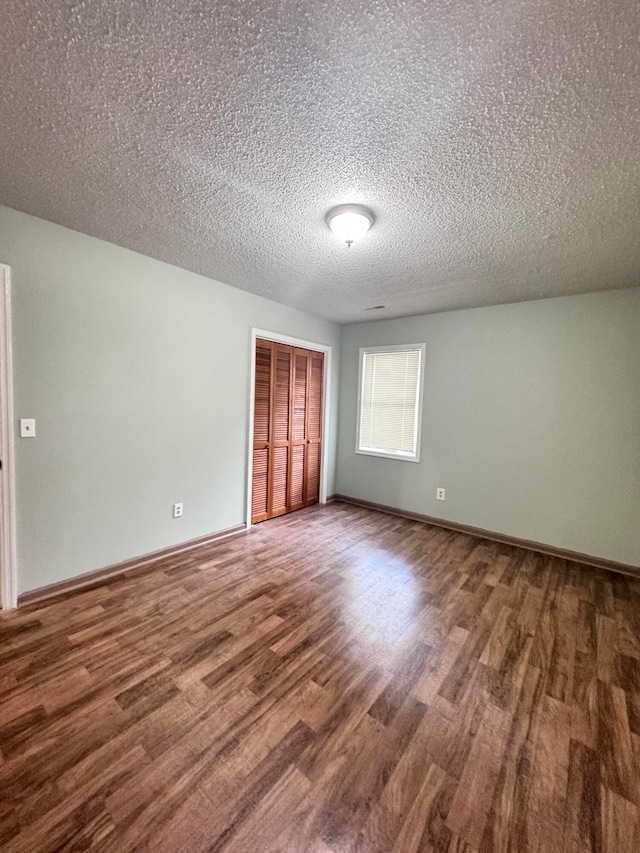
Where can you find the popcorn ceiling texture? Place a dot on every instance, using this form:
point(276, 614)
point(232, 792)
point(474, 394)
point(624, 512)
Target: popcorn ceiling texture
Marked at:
point(497, 142)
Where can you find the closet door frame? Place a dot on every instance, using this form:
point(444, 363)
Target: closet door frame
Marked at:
point(275, 337)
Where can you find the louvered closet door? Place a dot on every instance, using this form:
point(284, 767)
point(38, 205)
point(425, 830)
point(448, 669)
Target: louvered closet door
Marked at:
point(281, 403)
point(299, 430)
point(314, 427)
point(287, 434)
point(261, 484)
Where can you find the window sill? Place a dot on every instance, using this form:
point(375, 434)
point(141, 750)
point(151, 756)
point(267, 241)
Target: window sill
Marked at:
point(382, 455)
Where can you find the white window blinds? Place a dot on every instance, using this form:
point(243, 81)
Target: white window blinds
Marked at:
point(390, 401)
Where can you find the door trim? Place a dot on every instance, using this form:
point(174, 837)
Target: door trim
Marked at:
point(8, 556)
point(277, 338)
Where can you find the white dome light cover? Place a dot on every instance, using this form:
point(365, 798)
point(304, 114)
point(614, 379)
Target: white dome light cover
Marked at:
point(349, 222)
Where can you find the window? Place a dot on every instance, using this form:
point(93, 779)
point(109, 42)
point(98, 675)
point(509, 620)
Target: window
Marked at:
point(390, 401)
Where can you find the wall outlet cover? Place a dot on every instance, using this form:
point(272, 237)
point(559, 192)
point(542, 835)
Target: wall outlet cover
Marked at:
point(27, 427)
point(440, 494)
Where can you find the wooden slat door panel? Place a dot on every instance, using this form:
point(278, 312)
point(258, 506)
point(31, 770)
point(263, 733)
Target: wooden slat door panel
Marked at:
point(314, 427)
point(279, 480)
point(287, 433)
point(280, 430)
point(298, 452)
point(312, 483)
point(260, 493)
point(300, 365)
point(261, 432)
point(300, 382)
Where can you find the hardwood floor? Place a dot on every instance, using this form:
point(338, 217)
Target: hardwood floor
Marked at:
point(337, 680)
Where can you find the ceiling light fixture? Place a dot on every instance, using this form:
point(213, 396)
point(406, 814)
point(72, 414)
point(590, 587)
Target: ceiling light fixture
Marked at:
point(349, 222)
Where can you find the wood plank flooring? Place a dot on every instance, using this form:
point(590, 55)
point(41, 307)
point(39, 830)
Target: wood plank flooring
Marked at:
point(337, 680)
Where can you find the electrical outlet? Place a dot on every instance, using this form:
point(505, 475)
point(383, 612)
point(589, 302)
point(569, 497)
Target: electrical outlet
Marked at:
point(440, 494)
point(177, 510)
point(27, 428)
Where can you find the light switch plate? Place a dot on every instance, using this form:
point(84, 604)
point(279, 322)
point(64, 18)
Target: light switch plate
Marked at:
point(27, 427)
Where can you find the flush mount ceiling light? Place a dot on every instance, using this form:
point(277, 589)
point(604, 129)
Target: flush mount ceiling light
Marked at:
point(349, 222)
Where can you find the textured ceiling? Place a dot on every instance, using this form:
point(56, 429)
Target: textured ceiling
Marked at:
point(496, 141)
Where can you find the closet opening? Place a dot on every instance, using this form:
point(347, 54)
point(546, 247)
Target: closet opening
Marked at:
point(287, 427)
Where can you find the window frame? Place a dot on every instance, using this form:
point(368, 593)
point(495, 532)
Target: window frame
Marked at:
point(387, 454)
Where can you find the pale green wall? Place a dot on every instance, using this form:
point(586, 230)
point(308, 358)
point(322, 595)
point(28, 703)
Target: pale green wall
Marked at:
point(531, 421)
point(137, 373)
